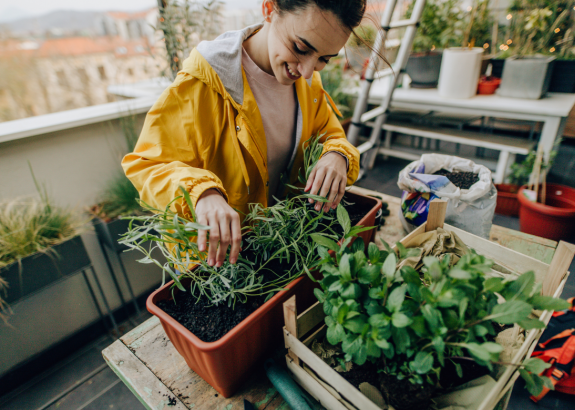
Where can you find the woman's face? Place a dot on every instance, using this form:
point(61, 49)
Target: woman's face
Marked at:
point(303, 42)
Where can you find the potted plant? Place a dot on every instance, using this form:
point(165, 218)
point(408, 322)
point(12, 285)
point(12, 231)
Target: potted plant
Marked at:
point(527, 73)
point(563, 77)
point(460, 66)
point(239, 316)
point(39, 244)
point(413, 325)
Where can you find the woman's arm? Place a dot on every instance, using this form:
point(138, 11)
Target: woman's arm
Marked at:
point(173, 150)
point(330, 176)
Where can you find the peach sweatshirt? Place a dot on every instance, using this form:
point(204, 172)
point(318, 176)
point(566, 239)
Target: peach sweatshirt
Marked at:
point(278, 109)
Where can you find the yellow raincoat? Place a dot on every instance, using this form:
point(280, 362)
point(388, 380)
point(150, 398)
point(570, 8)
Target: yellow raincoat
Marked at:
point(205, 131)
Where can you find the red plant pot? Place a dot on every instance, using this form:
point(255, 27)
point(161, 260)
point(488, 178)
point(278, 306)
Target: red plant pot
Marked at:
point(507, 202)
point(488, 85)
point(225, 363)
point(555, 220)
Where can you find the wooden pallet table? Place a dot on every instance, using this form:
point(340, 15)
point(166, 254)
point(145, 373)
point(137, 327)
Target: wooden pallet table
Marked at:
point(147, 362)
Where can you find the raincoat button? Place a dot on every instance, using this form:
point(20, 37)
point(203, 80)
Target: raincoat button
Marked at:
point(315, 100)
point(238, 128)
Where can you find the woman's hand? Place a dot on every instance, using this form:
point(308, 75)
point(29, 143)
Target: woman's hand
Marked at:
point(329, 176)
point(224, 222)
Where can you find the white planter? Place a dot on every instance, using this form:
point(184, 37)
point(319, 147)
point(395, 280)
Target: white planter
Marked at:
point(459, 72)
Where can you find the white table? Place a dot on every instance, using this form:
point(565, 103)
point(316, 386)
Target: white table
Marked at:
point(552, 110)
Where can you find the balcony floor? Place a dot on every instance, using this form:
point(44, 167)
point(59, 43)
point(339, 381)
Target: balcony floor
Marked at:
point(83, 381)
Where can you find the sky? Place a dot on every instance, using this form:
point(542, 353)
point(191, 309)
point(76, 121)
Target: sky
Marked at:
point(10, 10)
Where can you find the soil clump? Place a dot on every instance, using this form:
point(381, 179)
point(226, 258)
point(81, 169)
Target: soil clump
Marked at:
point(462, 180)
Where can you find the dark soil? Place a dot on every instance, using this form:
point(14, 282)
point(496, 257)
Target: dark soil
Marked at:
point(356, 212)
point(211, 323)
point(404, 395)
point(462, 180)
point(449, 379)
point(361, 374)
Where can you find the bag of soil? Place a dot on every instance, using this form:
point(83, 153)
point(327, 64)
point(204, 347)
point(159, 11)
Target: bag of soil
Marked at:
point(467, 187)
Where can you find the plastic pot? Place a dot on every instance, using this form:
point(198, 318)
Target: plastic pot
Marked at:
point(563, 77)
point(423, 69)
point(226, 363)
point(526, 77)
point(459, 73)
point(555, 220)
point(507, 202)
point(488, 85)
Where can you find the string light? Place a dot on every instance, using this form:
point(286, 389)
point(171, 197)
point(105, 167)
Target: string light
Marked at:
point(504, 47)
point(469, 8)
point(432, 47)
point(509, 41)
point(557, 30)
point(486, 45)
point(509, 16)
point(552, 49)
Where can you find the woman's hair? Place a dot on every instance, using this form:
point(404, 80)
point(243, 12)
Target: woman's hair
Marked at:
point(350, 13)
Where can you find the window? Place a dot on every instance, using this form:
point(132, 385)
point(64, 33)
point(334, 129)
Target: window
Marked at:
point(102, 73)
point(130, 72)
point(83, 75)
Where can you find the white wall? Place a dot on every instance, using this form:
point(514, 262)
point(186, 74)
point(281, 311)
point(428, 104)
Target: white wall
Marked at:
point(75, 165)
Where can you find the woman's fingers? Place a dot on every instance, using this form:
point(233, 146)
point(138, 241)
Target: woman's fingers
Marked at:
point(341, 193)
point(202, 234)
point(236, 236)
point(325, 188)
point(214, 238)
point(333, 193)
point(225, 238)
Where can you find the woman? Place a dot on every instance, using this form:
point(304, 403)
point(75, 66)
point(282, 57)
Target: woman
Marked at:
point(237, 116)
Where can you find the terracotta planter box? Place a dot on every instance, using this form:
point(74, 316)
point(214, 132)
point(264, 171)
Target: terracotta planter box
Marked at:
point(225, 363)
point(302, 329)
point(555, 220)
point(507, 202)
point(42, 269)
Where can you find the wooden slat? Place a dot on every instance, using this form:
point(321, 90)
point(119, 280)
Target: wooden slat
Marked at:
point(436, 214)
point(309, 319)
point(477, 139)
point(140, 331)
point(290, 320)
point(342, 386)
point(158, 354)
point(559, 267)
point(313, 387)
point(140, 380)
point(507, 258)
point(538, 248)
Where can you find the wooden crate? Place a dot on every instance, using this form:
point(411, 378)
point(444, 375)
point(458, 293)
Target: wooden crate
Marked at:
point(301, 330)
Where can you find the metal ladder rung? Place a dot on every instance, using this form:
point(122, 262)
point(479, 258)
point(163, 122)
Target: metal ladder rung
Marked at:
point(401, 23)
point(372, 114)
point(366, 146)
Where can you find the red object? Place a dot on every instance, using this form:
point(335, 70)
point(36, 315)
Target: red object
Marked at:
point(488, 85)
point(558, 349)
point(507, 202)
point(555, 220)
point(226, 363)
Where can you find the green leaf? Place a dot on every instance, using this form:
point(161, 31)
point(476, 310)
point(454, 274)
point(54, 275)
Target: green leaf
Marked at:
point(549, 303)
point(335, 334)
point(461, 274)
point(431, 316)
point(358, 245)
point(388, 268)
point(410, 275)
point(345, 268)
point(343, 218)
point(341, 313)
point(319, 295)
point(478, 351)
point(324, 241)
point(535, 365)
point(396, 298)
point(359, 229)
point(351, 344)
point(351, 291)
point(378, 320)
point(493, 285)
point(355, 324)
point(335, 286)
point(373, 253)
point(372, 349)
point(520, 288)
point(422, 363)
point(323, 252)
point(529, 324)
point(533, 383)
point(400, 320)
point(368, 274)
point(376, 293)
point(382, 343)
point(386, 246)
point(510, 312)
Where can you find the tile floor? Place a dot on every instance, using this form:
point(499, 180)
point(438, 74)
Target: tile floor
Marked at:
point(83, 381)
